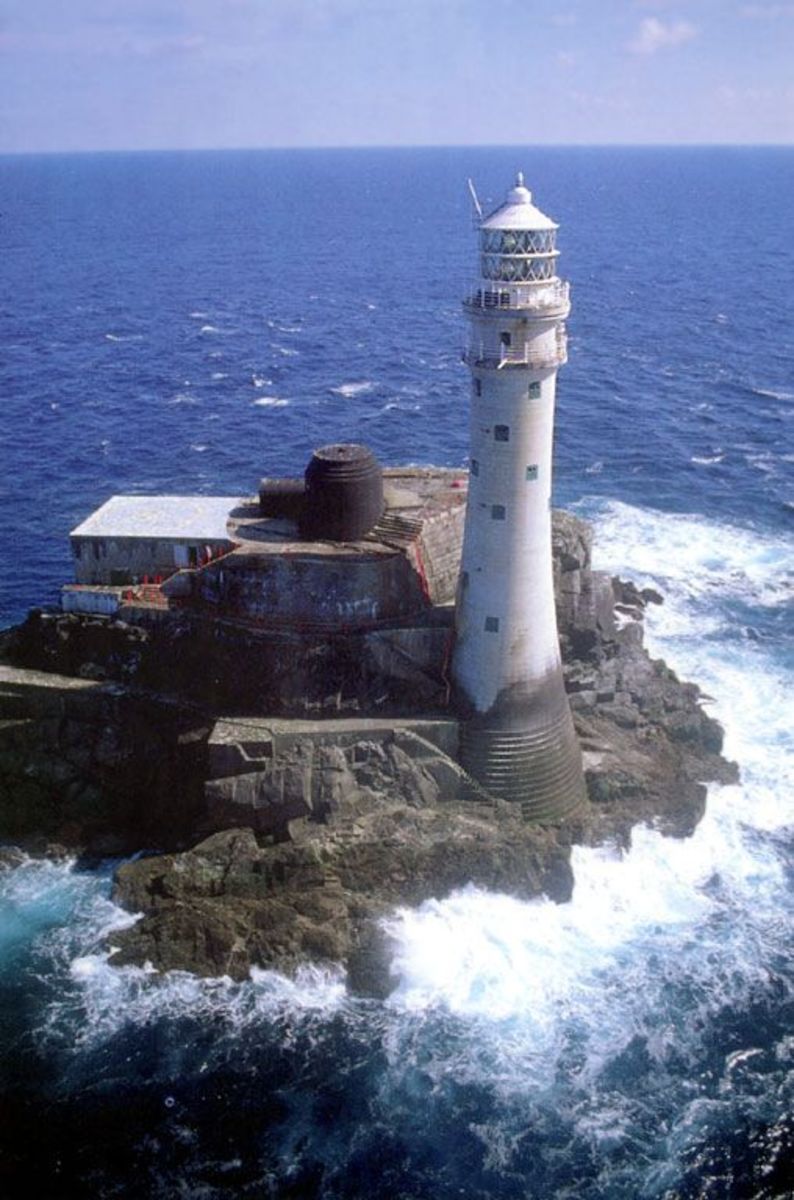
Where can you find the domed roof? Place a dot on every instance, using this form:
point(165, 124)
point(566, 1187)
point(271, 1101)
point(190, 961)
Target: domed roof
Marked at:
point(518, 211)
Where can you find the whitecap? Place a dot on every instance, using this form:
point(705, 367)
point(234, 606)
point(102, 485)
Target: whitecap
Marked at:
point(286, 351)
point(130, 337)
point(209, 329)
point(706, 459)
point(282, 327)
point(764, 462)
point(260, 381)
point(184, 398)
point(199, 447)
point(198, 315)
point(594, 469)
point(270, 402)
point(772, 394)
point(218, 375)
point(350, 390)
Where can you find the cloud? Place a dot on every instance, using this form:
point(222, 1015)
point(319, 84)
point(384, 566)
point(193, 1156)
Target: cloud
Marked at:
point(566, 58)
point(654, 35)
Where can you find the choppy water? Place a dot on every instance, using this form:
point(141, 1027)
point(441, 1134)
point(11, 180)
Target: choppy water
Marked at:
point(637, 1042)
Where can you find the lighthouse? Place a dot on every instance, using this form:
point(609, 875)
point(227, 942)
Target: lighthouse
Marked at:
point(517, 734)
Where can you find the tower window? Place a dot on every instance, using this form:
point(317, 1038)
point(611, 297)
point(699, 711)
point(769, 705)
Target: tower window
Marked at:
point(504, 338)
point(501, 433)
point(498, 512)
point(475, 467)
point(534, 391)
point(491, 624)
point(532, 472)
point(477, 387)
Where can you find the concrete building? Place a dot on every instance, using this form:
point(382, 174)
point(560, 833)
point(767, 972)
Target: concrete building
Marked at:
point(519, 739)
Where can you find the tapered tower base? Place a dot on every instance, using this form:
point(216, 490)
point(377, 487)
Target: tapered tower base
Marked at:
point(529, 754)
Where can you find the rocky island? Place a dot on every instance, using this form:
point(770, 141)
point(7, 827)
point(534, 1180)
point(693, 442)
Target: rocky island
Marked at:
point(286, 783)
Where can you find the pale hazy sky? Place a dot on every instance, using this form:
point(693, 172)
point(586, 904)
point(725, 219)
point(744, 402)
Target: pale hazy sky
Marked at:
point(156, 74)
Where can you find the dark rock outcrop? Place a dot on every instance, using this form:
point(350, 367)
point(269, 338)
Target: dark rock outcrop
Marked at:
point(310, 830)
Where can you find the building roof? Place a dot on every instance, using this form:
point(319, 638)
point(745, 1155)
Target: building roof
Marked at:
point(183, 518)
point(518, 211)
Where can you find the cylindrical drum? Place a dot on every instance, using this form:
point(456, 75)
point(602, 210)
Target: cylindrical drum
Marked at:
point(344, 493)
point(282, 498)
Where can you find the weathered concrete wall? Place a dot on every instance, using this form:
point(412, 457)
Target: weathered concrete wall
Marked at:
point(305, 590)
point(85, 599)
point(440, 547)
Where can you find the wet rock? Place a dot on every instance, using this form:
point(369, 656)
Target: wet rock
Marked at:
point(308, 839)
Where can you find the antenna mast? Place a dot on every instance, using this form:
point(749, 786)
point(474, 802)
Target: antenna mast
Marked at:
point(475, 199)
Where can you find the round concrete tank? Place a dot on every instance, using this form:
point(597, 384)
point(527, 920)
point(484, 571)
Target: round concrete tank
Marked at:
point(282, 498)
point(344, 493)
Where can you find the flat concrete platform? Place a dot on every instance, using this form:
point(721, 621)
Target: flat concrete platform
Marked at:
point(412, 496)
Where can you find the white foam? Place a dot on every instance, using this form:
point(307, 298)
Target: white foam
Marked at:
point(693, 558)
point(286, 351)
point(529, 999)
point(270, 402)
point(209, 329)
point(104, 999)
point(657, 940)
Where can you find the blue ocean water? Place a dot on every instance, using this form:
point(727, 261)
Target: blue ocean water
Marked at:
point(189, 322)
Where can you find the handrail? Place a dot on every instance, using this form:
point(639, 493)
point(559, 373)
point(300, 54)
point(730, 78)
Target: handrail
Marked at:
point(551, 297)
point(520, 356)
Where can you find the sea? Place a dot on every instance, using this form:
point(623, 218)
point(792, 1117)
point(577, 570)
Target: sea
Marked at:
point(189, 322)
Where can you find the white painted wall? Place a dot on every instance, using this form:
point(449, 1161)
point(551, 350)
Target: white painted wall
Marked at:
point(506, 569)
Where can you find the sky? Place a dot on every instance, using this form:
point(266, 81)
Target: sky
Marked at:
point(193, 74)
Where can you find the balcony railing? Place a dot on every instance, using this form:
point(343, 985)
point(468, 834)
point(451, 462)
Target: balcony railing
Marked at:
point(540, 359)
point(550, 300)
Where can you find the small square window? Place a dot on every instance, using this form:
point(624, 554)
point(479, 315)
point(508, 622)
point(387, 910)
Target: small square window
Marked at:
point(534, 391)
point(491, 624)
point(532, 472)
point(501, 433)
point(498, 512)
point(475, 467)
point(478, 387)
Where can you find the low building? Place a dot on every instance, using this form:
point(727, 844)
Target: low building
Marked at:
point(135, 538)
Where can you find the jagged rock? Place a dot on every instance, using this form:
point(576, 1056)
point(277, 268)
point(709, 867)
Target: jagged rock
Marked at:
point(310, 836)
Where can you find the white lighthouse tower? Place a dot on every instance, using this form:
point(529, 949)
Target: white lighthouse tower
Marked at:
point(517, 735)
